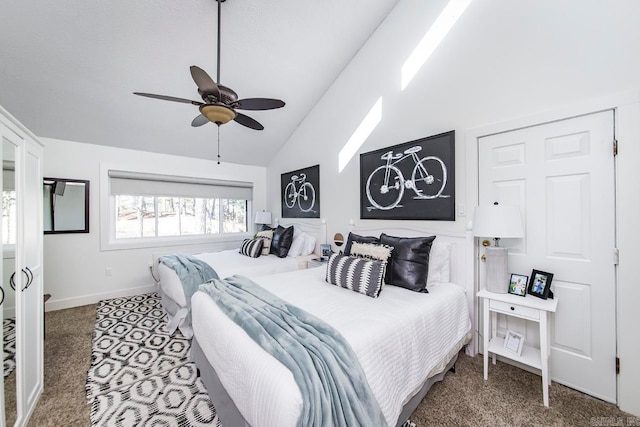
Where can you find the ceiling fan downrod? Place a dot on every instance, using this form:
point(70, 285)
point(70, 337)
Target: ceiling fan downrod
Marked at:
point(219, 32)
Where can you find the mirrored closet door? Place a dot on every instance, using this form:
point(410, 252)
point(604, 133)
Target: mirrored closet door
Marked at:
point(21, 272)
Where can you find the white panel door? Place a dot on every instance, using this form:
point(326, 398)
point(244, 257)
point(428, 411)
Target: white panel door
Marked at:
point(561, 174)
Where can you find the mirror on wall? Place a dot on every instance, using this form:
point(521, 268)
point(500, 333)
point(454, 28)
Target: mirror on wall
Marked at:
point(66, 206)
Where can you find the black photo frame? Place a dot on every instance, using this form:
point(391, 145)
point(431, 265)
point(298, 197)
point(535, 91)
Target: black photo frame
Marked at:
point(540, 284)
point(300, 192)
point(413, 181)
point(518, 284)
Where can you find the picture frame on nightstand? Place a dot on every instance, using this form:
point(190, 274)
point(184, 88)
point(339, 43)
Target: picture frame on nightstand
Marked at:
point(518, 284)
point(326, 251)
point(514, 342)
point(540, 284)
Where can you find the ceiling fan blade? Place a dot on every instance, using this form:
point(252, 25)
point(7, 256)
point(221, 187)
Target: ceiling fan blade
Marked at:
point(258, 104)
point(199, 121)
point(168, 98)
point(206, 85)
point(248, 121)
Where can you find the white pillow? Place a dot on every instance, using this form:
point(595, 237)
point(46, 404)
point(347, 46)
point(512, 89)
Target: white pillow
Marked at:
point(309, 244)
point(297, 245)
point(439, 263)
point(373, 251)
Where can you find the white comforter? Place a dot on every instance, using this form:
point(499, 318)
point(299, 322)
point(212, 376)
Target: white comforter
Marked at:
point(226, 263)
point(398, 338)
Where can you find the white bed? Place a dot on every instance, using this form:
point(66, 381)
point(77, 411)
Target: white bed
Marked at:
point(403, 340)
point(226, 263)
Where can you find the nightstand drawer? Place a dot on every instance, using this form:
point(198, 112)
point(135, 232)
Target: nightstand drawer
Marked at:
point(514, 310)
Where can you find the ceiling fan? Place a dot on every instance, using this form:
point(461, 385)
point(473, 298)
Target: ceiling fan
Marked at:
point(220, 102)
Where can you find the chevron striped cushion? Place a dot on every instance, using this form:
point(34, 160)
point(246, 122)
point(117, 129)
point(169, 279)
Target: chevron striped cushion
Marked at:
point(251, 247)
point(357, 274)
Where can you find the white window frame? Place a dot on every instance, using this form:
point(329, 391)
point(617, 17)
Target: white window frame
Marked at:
point(109, 242)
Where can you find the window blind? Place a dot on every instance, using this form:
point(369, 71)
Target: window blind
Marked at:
point(143, 184)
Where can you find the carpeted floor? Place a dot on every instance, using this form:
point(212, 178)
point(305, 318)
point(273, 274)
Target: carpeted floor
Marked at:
point(67, 356)
point(511, 397)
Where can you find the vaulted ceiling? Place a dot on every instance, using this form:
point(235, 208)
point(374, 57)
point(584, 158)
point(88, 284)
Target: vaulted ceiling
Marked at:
point(68, 67)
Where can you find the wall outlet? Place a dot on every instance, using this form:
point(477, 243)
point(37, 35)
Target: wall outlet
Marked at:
point(461, 210)
point(108, 272)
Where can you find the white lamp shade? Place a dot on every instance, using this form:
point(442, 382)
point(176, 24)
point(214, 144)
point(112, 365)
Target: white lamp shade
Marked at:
point(263, 217)
point(497, 221)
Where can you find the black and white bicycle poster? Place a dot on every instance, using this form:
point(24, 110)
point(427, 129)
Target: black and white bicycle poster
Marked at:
point(300, 191)
point(414, 180)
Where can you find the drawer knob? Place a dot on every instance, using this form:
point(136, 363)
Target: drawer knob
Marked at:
point(513, 308)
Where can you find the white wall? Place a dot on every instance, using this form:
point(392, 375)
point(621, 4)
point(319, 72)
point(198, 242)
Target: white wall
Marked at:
point(74, 264)
point(501, 61)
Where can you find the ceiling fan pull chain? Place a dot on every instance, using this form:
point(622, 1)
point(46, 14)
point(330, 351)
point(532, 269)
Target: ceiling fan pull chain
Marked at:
point(218, 144)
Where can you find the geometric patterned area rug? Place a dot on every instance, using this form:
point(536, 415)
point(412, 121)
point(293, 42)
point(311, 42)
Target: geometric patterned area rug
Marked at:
point(9, 347)
point(141, 375)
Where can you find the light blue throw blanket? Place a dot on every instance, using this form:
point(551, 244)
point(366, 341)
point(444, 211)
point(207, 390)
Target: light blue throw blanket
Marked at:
point(334, 389)
point(192, 273)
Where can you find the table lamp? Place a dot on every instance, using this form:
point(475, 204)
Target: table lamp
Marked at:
point(497, 221)
point(263, 218)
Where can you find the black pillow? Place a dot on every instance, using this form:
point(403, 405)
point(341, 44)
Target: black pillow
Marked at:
point(265, 227)
point(409, 263)
point(281, 242)
point(360, 239)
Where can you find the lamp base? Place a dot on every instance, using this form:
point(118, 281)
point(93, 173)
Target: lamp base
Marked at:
point(497, 271)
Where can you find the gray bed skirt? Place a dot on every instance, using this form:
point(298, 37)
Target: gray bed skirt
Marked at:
point(230, 416)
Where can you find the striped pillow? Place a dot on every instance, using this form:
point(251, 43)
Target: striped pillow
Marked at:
point(251, 247)
point(357, 274)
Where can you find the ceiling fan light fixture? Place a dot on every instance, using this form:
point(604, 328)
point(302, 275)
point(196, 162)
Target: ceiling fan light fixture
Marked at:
point(218, 114)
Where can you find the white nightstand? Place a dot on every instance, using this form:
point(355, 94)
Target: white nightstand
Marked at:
point(529, 308)
point(316, 262)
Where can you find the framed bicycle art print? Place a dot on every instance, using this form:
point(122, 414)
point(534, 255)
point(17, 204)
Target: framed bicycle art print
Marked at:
point(414, 180)
point(300, 190)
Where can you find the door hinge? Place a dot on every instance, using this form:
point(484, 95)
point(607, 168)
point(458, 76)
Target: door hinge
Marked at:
point(615, 147)
point(617, 365)
point(616, 256)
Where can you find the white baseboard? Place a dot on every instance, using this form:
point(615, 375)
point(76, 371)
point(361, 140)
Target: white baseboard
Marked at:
point(60, 304)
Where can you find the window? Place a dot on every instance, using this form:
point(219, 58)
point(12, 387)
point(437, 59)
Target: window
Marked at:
point(9, 218)
point(162, 206)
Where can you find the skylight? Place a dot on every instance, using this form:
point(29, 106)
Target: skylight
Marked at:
point(360, 135)
point(432, 39)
